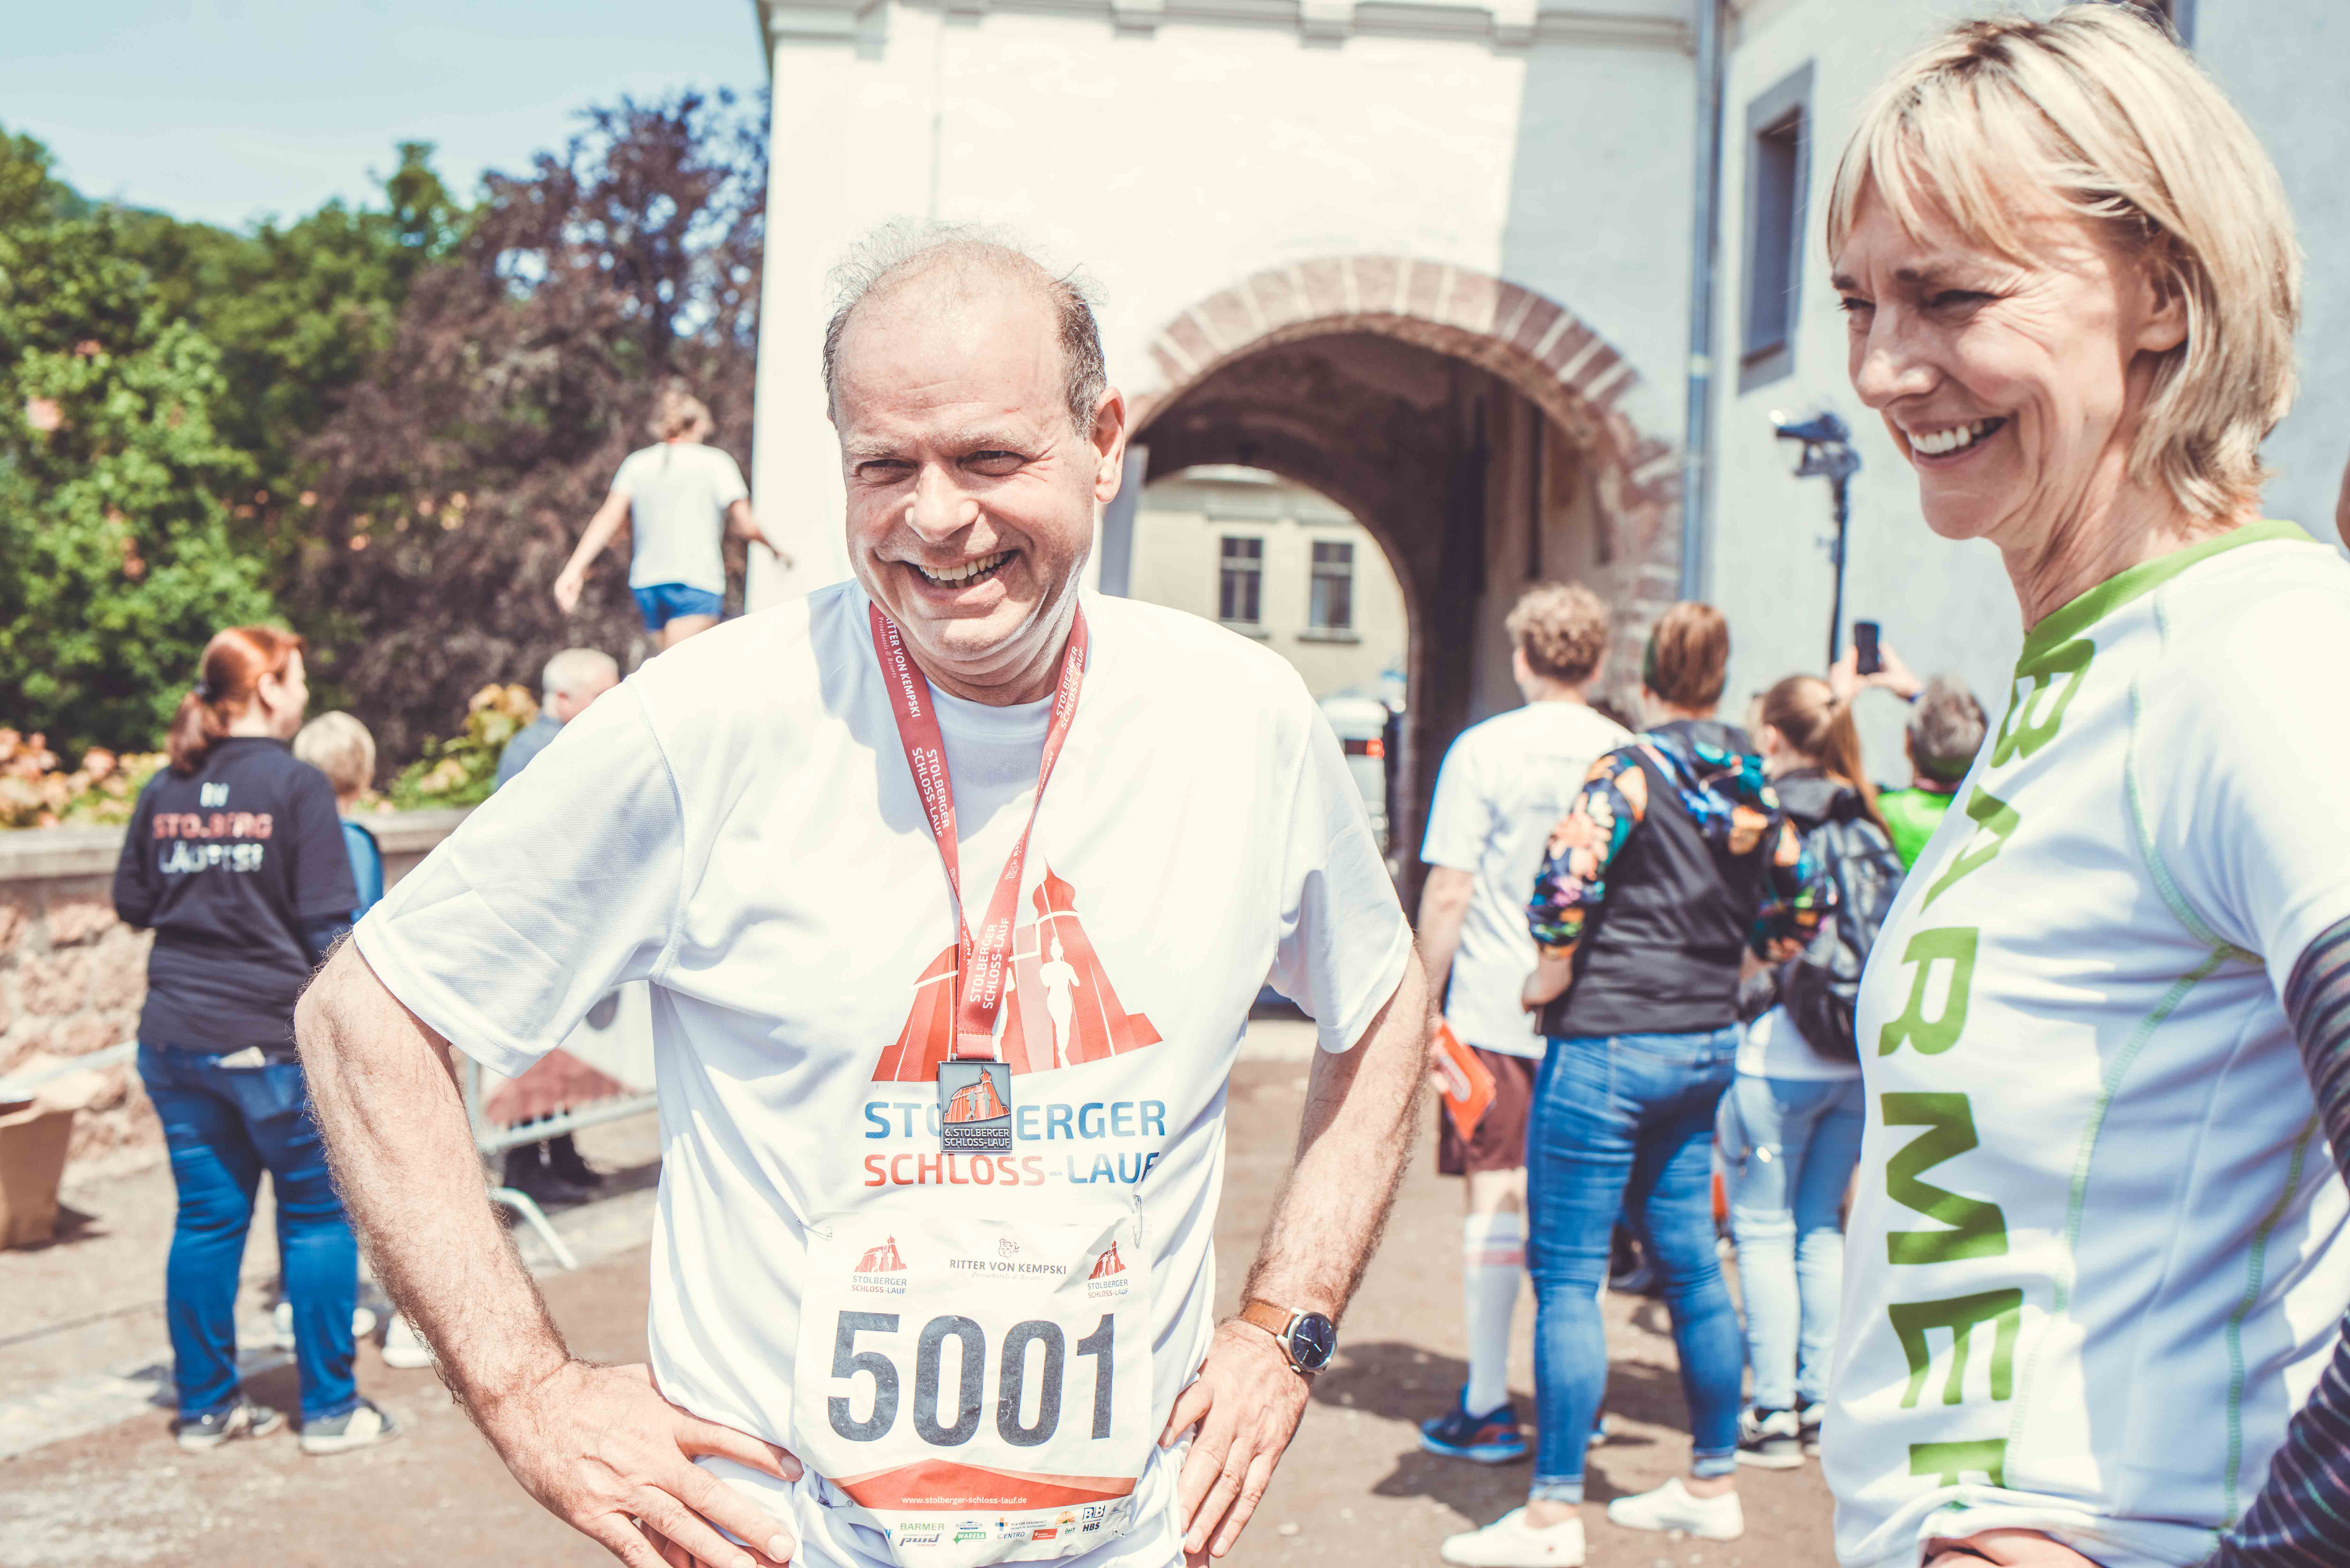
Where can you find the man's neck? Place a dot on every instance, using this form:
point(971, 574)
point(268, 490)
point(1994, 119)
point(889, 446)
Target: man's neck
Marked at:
point(1029, 672)
point(1541, 689)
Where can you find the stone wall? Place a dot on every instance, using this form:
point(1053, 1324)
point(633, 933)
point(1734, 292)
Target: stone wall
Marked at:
point(73, 977)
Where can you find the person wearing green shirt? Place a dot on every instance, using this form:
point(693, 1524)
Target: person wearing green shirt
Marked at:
point(1946, 730)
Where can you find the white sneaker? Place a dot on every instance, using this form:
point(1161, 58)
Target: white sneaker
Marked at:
point(404, 1347)
point(1510, 1542)
point(1672, 1507)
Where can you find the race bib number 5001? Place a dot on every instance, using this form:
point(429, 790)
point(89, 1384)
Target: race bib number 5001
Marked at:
point(977, 1384)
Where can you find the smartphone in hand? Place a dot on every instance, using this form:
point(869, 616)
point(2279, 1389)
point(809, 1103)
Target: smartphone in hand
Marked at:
point(1866, 659)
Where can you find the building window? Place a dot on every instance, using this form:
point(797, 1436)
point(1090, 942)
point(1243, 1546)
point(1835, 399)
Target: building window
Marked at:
point(1240, 579)
point(1778, 157)
point(1331, 607)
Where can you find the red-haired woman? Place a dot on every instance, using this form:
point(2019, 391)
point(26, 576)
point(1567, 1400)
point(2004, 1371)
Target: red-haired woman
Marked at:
point(235, 858)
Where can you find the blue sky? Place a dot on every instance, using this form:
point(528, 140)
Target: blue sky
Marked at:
point(230, 110)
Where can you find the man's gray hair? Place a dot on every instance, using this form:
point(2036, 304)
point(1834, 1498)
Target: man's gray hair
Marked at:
point(903, 250)
point(573, 668)
point(1946, 730)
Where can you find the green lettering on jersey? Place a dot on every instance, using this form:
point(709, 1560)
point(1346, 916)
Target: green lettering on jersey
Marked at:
point(1950, 1463)
point(1990, 814)
point(1952, 945)
point(1978, 1228)
point(1960, 1315)
point(2032, 720)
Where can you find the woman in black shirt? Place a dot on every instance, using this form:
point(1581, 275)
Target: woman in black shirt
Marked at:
point(235, 858)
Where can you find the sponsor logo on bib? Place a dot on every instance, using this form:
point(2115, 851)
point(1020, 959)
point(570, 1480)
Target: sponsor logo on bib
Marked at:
point(1108, 1278)
point(880, 1271)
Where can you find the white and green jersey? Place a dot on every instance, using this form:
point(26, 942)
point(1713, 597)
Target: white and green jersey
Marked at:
point(2098, 1253)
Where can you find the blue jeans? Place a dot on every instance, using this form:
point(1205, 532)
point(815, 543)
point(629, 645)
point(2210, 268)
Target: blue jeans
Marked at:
point(224, 1125)
point(1791, 1145)
point(1625, 1124)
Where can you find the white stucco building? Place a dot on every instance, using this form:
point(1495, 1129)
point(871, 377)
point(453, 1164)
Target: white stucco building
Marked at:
point(1446, 263)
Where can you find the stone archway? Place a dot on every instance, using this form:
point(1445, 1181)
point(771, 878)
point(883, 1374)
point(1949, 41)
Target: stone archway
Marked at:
point(1483, 433)
point(1534, 343)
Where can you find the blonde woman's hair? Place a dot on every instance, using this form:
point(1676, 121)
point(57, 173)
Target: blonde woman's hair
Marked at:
point(338, 746)
point(2099, 109)
point(1805, 710)
point(676, 411)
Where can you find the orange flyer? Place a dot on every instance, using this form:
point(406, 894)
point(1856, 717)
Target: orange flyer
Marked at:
point(1468, 1083)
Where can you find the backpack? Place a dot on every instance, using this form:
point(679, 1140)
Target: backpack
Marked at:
point(1820, 986)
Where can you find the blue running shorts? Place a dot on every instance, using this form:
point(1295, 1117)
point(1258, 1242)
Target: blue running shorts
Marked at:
point(665, 602)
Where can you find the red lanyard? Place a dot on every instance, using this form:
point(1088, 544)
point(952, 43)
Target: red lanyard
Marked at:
point(980, 976)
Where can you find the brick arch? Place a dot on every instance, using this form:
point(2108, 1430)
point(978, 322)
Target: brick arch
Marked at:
point(1527, 339)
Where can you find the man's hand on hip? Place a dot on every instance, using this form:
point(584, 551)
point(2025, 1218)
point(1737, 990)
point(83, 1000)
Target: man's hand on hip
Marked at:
point(605, 1453)
point(1246, 1402)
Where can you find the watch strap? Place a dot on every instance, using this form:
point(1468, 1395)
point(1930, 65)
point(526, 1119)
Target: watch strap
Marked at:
point(1273, 1320)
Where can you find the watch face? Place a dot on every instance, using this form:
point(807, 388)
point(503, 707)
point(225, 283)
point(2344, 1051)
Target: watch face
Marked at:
point(1312, 1340)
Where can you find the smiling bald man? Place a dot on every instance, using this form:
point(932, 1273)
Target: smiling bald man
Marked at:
point(954, 885)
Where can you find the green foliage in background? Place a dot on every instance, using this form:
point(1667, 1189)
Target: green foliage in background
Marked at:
point(159, 383)
point(462, 769)
point(383, 424)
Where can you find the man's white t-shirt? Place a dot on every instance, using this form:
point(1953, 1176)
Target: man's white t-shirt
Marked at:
point(1504, 786)
point(2097, 1253)
point(678, 495)
point(737, 823)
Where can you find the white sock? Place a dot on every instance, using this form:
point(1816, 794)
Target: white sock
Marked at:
point(1494, 1259)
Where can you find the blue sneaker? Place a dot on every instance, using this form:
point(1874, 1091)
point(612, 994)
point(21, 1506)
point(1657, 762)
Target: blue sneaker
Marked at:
point(1493, 1438)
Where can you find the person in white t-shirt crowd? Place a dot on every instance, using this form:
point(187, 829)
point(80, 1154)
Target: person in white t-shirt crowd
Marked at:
point(932, 1269)
point(679, 499)
point(1504, 784)
point(2099, 1261)
point(1789, 1129)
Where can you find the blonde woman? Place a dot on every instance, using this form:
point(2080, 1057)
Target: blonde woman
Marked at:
point(678, 498)
point(2097, 1261)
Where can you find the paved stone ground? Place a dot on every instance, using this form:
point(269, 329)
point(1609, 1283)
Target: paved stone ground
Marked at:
point(1354, 1489)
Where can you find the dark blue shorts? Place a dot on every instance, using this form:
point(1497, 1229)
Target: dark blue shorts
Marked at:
point(664, 602)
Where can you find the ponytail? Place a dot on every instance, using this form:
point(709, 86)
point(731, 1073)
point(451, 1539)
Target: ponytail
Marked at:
point(229, 675)
point(1804, 710)
point(676, 411)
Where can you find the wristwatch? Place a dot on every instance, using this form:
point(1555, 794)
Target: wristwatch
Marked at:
point(1307, 1338)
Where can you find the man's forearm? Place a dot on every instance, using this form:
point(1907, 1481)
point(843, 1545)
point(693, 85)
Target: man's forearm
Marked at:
point(2302, 1516)
point(388, 1106)
point(1353, 1144)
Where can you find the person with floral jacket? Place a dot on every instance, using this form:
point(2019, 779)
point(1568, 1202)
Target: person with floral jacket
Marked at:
point(1675, 857)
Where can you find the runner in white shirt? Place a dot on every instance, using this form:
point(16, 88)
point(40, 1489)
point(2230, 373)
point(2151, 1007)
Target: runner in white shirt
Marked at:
point(677, 499)
point(2097, 1256)
point(921, 1291)
point(1505, 784)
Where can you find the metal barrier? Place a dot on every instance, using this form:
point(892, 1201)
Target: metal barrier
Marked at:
point(617, 1028)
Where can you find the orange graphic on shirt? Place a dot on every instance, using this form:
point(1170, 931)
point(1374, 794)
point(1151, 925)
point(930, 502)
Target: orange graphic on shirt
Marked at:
point(882, 1260)
point(1059, 1007)
point(1107, 1265)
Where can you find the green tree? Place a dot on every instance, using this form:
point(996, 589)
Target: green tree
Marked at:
point(458, 474)
point(116, 560)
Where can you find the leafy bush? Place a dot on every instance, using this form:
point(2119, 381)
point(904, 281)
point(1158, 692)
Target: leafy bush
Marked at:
point(37, 792)
point(462, 770)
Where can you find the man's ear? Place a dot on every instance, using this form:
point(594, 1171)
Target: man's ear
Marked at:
point(1107, 438)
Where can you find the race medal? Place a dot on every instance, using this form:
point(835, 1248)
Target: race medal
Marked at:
point(976, 1106)
point(975, 1082)
point(975, 1383)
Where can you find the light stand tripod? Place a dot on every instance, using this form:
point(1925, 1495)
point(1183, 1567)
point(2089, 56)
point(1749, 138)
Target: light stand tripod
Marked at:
point(1827, 451)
